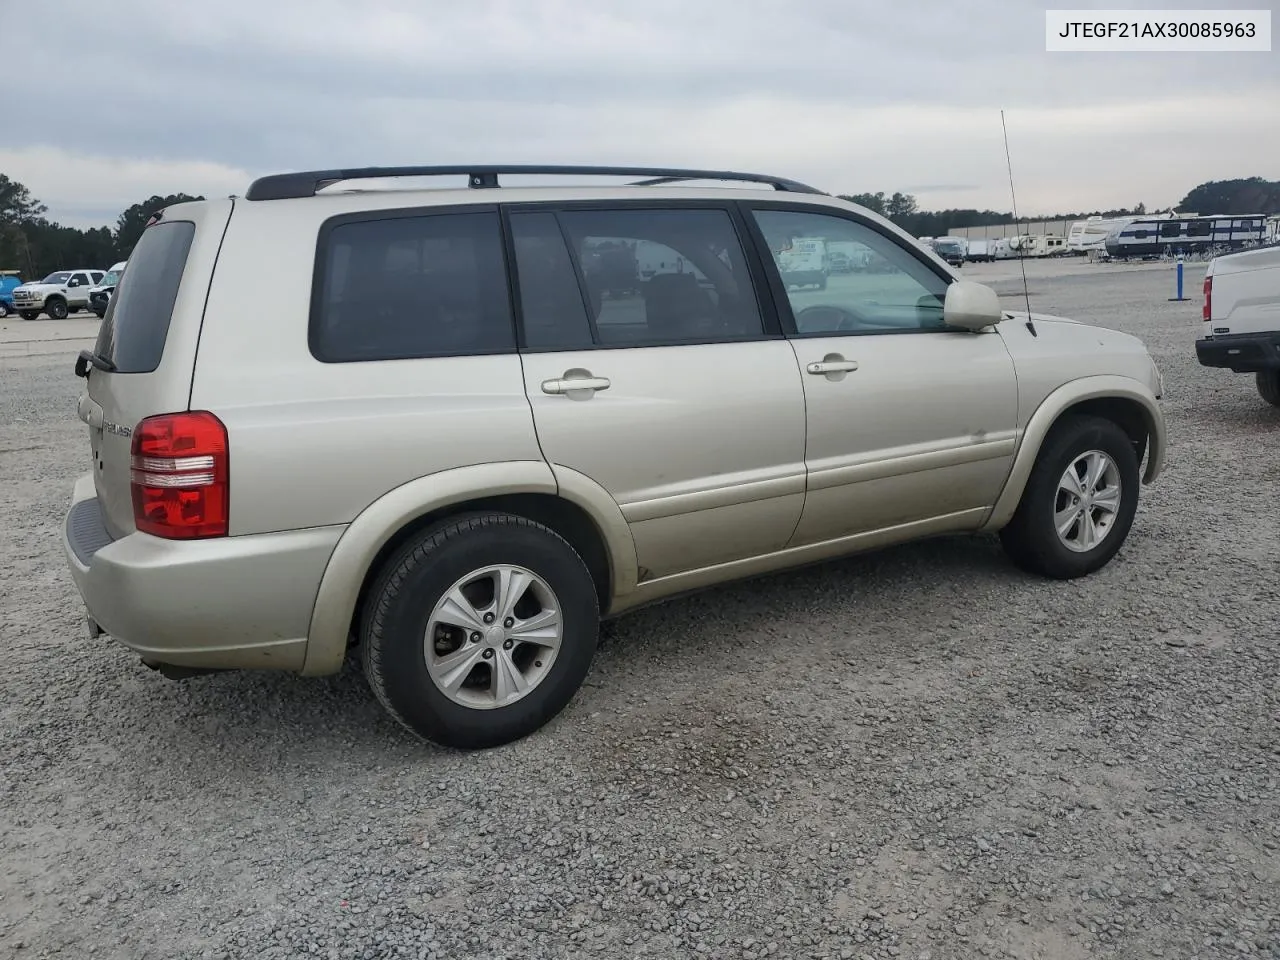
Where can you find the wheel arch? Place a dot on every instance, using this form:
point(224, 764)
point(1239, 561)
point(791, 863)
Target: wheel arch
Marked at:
point(570, 504)
point(1128, 403)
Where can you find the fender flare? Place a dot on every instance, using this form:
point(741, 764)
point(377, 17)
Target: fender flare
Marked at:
point(1048, 413)
point(374, 526)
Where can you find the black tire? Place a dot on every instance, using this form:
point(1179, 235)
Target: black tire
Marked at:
point(4, 309)
point(56, 308)
point(413, 581)
point(99, 313)
point(29, 314)
point(1030, 538)
point(1269, 386)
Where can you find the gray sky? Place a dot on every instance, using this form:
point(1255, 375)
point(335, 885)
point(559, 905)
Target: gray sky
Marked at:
point(849, 95)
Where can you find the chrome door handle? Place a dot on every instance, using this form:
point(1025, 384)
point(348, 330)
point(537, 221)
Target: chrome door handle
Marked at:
point(572, 385)
point(832, 366)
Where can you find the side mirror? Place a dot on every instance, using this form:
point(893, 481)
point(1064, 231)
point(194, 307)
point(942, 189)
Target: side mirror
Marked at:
point(73, 282)
point(971, 306)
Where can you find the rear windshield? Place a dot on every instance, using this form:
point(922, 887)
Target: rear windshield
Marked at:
point(136, 324)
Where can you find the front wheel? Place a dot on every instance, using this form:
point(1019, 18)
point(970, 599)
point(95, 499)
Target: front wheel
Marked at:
point(1269, 386)
point(57, 309)
point(480, 630)
point(29, 314)
point(1079, 502)
point(4, 309)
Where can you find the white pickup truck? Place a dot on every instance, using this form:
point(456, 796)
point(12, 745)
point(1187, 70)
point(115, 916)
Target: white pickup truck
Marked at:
point(1242, 317)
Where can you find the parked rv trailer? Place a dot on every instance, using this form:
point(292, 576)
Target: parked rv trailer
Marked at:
point(1091, 234)
point(1156, 236)
point(1029, 245)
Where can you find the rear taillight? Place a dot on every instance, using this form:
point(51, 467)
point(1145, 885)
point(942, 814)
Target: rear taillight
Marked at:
point(1207, 312)
point(180, 478)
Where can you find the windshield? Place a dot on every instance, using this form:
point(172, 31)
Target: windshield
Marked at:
point(946, 246)
point(111, 279)
point(61, 277)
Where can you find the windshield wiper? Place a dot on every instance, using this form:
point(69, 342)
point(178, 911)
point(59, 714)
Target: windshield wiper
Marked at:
point(89, 359)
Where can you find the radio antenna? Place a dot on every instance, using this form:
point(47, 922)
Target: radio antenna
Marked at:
point(1022, 260)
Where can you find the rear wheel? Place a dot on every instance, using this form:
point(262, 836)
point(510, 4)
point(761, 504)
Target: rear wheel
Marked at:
point(1079, 502)
point(56, 308)
point(1269, 386)
point(480, 631)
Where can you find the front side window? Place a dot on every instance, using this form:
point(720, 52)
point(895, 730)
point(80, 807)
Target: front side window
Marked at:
point(888, 289)
point(653, 277)
point(408, 287)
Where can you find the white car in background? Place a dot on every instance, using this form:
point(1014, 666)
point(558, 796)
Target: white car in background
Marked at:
point(59, 294)
point(1242, 317)
point(100, 293)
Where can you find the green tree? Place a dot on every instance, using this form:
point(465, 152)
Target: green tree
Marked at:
point(901, 205)
point(15, 253)
point(16, 203)
point(1241, 196)
point(133, 221)
point(872, 201)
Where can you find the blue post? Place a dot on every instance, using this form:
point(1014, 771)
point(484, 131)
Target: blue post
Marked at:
point(1179, 297)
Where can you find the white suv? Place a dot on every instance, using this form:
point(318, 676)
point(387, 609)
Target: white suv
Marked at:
point(458, 426)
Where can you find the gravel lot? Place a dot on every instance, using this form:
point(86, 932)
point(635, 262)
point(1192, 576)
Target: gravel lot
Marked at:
point(919, 754)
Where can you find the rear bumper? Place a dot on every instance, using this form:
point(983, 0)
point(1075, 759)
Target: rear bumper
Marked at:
point(1243, 353)
point(232, 603)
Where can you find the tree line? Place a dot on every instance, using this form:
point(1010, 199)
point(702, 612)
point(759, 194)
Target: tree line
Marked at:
point(35, 246)
point(1241, 196)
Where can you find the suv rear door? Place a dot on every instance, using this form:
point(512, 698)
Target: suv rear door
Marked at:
point(146, 344)
point(675, 392)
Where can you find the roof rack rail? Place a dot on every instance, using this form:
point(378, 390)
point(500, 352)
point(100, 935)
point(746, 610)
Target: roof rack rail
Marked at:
point(286, 186)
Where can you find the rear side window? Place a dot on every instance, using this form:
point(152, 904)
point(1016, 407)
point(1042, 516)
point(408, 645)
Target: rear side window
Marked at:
point(663, 277)
point(411, 287)
point(136, 325)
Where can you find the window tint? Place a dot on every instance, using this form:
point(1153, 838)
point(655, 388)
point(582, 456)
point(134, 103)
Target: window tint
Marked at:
point(1140, 234)
point(1170, 229)
point(879, 286)
point(1200, 228)
point(411, 287)
point(83, 278)
point(663, 276)
point(552, 308)
point(136, 325)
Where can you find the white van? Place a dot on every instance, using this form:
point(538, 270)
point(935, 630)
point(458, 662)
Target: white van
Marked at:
point(100, 294)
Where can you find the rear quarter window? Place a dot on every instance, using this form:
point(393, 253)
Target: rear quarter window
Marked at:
point(410, 287)
point(136, 324)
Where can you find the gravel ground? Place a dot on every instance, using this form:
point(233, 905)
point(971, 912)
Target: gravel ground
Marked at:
point(919, 754)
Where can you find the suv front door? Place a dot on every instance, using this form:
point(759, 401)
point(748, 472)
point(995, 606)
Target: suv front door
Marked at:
point(908, 422)
point(653, 370)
